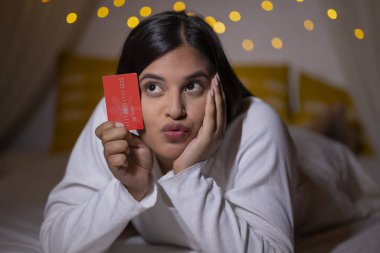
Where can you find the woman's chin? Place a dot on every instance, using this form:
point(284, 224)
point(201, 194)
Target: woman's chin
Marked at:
point(172, 151)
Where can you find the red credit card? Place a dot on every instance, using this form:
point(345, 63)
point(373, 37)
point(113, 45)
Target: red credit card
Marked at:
point(123, 100)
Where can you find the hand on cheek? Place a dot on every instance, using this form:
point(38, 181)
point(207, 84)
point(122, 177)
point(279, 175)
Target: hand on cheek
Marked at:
point(210, 134)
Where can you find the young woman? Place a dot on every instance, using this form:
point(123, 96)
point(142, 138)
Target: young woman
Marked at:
point(211, 171)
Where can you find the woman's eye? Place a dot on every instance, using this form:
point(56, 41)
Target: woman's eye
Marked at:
point(194, 86)
point(153, 88)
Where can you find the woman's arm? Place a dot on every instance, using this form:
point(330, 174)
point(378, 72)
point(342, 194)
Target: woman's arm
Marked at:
point(89, 208)
point(252, 212)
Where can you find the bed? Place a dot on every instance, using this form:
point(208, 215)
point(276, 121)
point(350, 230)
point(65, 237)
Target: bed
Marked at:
point(337, 210)
point(337, 196)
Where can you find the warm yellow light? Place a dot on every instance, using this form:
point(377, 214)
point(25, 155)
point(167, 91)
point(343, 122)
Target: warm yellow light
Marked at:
point(267, 5)
point(219, 27)
point(300, 1)
point(359, 33)
point(308, 24)
point(71, 17)
point(132, 22)
point(190, 13)
point(210, 20)
point(103, 12)
point(145, 11)
point(331, 13)
point(118, 3)
point(179, 6)
point(235, 16)
point(247, 45)
point(44, 1)
point(277, 43)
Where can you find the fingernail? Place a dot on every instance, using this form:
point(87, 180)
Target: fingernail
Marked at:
point(216, 81)
point(118, 124)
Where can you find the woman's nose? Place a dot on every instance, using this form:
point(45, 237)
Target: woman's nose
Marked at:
point(176, 107)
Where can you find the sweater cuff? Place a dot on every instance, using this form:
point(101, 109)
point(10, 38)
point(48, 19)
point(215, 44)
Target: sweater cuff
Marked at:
point(147, 202)
point(171, 178)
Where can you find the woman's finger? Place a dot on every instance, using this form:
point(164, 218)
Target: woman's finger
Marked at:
point(114, 133)
point(106, 126)
point(209, 123)
point(224, 105)
point(117, 161)
point(219, 104)
point(135, 141)
point(116, 147)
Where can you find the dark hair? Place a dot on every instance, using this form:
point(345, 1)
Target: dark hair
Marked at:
point(161, 33)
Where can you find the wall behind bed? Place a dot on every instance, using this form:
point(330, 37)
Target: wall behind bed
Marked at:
point(310, 51)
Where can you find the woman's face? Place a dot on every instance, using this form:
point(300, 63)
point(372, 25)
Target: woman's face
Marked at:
point(173, 99)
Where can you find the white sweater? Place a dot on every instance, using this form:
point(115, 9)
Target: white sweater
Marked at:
point(239, 200)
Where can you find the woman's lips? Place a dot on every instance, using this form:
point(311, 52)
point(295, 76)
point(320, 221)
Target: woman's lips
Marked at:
point(175, 132)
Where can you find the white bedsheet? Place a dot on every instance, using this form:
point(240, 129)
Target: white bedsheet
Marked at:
point(338, 200)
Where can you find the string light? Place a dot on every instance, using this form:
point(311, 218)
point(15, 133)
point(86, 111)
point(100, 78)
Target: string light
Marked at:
point(132, 22)
point(277, 43)
point(359, 33)
point(235, 16)
point(145, 11)
point(118, 3)
point(308, 24)
point(219, 27)
point(247, 45)
point(71, 17)
point(103, 12)
point(179, 6)
point(332, 14)
point(210, 20)
point(267, 5)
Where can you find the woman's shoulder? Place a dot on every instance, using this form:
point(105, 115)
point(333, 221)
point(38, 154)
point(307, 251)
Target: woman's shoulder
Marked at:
point(258, 115)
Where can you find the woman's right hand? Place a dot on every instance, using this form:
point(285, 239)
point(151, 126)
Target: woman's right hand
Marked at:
point(128, 157)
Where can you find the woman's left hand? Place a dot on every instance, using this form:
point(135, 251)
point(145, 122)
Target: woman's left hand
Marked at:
point(210, 134)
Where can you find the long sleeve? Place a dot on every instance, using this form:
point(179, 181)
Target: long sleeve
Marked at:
point(89, 208)
point(244, 205)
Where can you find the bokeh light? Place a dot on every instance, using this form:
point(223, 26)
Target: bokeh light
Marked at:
point(247, 45)
point(118, 3)
point(103, 12)
point(308, 24)
point(45, 1)
point(267, 5)
point(277, 43)
point(179, 6)
point(145, 11)
point(219, 27)
point(359, 33)
point(235, 16)
point(210, 20)
point(132, 22)
point(300, 1)
point(71, 17)
point(332, 14)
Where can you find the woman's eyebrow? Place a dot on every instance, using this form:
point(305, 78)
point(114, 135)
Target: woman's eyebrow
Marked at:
point(199, 73)
point(152, 76)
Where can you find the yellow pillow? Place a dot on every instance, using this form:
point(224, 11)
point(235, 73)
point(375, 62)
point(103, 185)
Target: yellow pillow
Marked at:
point(79, 90)
point(317, 98)
point(270, 83)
